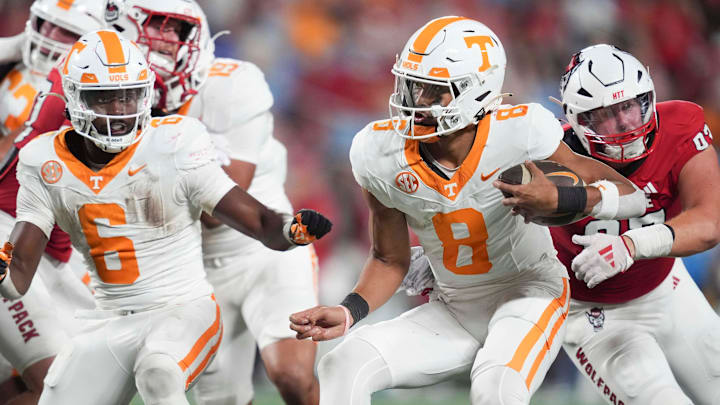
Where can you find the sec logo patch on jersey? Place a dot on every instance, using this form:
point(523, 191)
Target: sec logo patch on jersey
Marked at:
point(51, 171)
point(407, 182)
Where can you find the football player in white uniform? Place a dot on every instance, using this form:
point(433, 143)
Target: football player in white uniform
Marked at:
point(257, 288)
point(129, 191)
point(501, 295)
point(33, 329)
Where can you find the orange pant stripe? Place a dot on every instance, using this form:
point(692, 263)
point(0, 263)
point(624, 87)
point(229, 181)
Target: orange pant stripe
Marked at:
point(205, 361)
point(558, 323)
point(202, 342)
point(536, 332)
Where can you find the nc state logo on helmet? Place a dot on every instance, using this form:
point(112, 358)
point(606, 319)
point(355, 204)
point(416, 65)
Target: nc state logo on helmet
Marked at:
point(609, 100)
point(108, 85)
point(448, 76)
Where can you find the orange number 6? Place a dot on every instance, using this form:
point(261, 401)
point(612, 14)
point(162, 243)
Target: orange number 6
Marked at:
point(100, 247)
point(476, 239)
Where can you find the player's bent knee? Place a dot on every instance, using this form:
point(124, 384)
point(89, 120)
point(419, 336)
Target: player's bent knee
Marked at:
point(353, 362)
point(292, 377)
point(159, 380)
point(498, 385)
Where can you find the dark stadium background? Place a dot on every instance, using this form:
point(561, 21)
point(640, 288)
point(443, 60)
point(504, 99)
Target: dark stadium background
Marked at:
point(328, 64)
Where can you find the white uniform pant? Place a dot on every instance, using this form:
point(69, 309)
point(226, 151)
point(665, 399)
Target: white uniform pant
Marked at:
point(509, 330)
point(257, 294)
point(98, 366)
point(661, 348)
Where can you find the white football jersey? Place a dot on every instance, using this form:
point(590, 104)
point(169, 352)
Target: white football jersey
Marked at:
point(234, 103)
point(468, 235)
point(136, 219)
point(17, 95)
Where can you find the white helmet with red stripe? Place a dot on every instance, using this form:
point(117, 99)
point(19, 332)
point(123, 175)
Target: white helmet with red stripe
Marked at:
point(609, 100)
point(181, 64)
point(448, 76)
point(108, 85)
point(75, 17)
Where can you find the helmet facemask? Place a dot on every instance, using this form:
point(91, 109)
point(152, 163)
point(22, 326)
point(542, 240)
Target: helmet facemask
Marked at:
point(111, 118)
point(620, 132)
point(172, 60)
point(40, 53)
point(433, 107)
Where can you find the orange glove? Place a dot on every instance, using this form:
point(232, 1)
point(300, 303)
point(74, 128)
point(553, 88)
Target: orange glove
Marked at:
point(5, 258)
point(307, 226)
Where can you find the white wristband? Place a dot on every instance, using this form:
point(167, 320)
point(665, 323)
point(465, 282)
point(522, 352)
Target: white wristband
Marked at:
point(608, 206)
point(651, 241)
point(7, 288)
point(286, 230)
point(348, 318)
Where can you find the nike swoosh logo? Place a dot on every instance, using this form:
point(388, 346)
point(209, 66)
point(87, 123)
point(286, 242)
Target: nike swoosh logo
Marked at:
point(134, 172)
point(484, 177)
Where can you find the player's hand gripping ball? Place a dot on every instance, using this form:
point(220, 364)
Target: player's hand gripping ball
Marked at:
point(554, 172)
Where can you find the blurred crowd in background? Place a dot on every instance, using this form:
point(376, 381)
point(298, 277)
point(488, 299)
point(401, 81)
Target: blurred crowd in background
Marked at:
point(328, 65)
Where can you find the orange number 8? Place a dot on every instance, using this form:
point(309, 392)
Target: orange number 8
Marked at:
point(476, 240)
point(100, 247)
point(517, 111)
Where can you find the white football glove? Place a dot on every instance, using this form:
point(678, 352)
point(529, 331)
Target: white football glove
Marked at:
point(419, 278)
point(603, 257)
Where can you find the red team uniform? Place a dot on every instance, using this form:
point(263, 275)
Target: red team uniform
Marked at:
point(649, 328)
point(682, 134)
point(51, 117)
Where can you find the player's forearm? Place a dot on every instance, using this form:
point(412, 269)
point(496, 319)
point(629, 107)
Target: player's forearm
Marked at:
point(245, 214)
point(17, 281)
point(693, 231)
point(611, 196)
point(696, 230)
point(28, 243)
point(379, 280)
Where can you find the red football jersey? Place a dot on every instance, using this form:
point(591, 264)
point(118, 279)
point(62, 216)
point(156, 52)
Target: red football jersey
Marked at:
point(48, 114)
point(681, 134)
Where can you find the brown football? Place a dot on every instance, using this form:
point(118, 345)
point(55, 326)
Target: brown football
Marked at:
point(555, 172)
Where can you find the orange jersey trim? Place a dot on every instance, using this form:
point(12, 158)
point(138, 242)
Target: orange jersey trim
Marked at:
point(536, 332)
point(95, 181)
point(185, 107)
point(449, 188)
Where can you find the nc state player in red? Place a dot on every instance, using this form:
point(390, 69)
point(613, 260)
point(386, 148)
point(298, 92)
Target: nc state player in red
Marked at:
point(639, 328)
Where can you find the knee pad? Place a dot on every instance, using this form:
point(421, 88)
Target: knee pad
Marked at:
point(498, 385)
point(160, 381)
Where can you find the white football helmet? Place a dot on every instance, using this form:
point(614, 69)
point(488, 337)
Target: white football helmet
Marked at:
point(452, 57)
point(180, 75)
point(609, 99)
point(109, 88)
point(40, 53)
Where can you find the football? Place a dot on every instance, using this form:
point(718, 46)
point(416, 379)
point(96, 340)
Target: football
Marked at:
point(555, 172)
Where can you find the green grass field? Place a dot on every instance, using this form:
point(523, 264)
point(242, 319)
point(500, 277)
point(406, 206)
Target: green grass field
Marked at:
point(445, 394)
